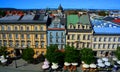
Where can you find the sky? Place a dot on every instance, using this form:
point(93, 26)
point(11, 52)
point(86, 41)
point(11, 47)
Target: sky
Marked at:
point(37, 4)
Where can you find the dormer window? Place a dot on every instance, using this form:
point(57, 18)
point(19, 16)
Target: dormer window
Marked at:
point(70, 25)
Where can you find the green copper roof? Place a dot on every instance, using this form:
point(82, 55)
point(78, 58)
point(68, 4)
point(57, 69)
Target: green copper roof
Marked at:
point(74, 19)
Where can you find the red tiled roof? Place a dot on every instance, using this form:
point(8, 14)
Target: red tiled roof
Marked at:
point(117, 20)
point(56, 28)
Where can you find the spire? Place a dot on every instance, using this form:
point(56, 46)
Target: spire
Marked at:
point(60, 7)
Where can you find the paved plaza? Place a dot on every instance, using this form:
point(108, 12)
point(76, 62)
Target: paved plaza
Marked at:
point(23, 66)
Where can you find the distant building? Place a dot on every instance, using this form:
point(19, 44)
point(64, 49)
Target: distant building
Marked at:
point(56, 30)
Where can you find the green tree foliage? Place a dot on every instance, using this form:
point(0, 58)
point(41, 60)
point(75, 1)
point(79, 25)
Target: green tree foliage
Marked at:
point(87, 55)
point(102, 13)
point(117, 53)
point(2, 13)
point(3, 51)
point(71, 54)
point(54, 55)
point(28, 54)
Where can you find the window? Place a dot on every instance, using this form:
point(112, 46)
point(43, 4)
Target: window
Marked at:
point(88, 37)
point(21, 27)
point(22, 36)
point(50, 33)
point(70, 25)
point(78, 26)
point(16, 28)
point(62, 46)
point(55, 24)
point(56, 40)
point(0, 42)
point(78, 37)
point(95, 39)
point(4, 36)
point(42, 44)
point(119, 39)
point(113, 46)
point(51, 40)
point(36, 36)
point(28, 43)
point(108, 46)
point(109, 39)
point(10, 43)
point(68, 37)
point(28, 36)
point(98, 46)
point(5, 43)
point(42, 36)
point(62, 33)
point(105, 38)
point(35, 28)
point(10, 36)
point(100, 38)
point(17, 44)
point(83, 37)
point(27, 28)
point(104, 45)
point(36, 44)
point(3, 27)
point(62, 40)
point(22, 43)
point(41, 28)
point(94, 46)
point(16, 36)
point(114, 39)
point(56, 33)
point(73, 37)
point(9, 28)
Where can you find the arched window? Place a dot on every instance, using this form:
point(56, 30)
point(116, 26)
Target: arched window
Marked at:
point(9, 28)
point(16, 28)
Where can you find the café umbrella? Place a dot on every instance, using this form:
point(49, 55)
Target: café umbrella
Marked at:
point(107, 63)
point(101, 65)
point(99, 60)
point(115, 59)
point(85, 65)
point(92, 65)
point(105, 59)
point(118, 62)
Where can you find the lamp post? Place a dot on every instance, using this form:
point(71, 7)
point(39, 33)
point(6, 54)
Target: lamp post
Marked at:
point(15, 59)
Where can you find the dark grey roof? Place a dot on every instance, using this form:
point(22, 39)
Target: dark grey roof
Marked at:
point(108, 18)
point(41, 18)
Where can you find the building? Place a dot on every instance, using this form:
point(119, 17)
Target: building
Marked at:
point(18, 32)
point(106, 37)
point(56, 33)
point(79, 30)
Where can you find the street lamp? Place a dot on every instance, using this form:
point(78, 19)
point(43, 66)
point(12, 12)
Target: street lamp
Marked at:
point(15, 59)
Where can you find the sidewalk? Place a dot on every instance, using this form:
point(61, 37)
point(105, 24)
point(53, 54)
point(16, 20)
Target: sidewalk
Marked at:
point(22, 66)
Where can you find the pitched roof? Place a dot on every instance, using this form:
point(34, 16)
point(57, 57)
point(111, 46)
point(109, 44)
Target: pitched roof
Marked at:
point(74, 19)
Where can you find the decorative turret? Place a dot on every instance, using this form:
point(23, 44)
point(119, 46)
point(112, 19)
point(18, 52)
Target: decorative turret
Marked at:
point(60, 8)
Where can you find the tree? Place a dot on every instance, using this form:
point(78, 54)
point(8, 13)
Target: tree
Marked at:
point(87, 55)
point(3, 51)
point(102, 13)
point(71, 54)
point(28, 54)
point(53, 54)
point(117, 53)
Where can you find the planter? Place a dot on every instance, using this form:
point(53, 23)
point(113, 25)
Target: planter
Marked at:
point(67, 64)
point(54, 65)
